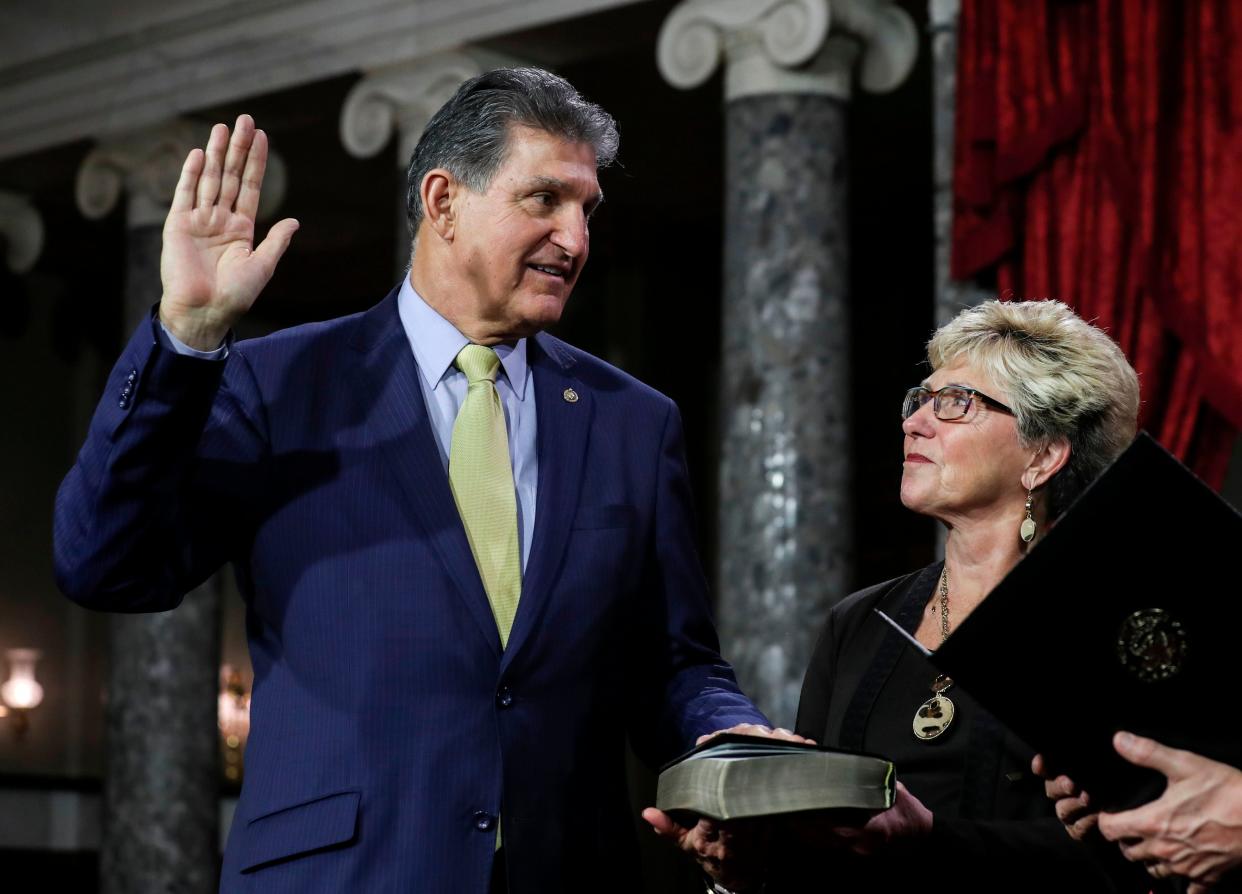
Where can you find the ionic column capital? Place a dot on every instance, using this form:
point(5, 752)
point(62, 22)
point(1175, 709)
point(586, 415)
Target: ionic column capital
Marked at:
point(144, 166)
point(404, 97)
point(788, 46)
point(21, 227)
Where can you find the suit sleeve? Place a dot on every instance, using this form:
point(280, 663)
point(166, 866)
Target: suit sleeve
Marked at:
point(150, 507)
point(688, 685)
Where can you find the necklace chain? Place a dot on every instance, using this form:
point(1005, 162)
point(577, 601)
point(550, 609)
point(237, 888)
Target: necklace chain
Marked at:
point(944, 604)
point(936, 714)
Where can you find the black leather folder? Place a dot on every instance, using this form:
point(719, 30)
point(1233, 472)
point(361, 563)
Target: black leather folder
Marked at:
point(1127, 614)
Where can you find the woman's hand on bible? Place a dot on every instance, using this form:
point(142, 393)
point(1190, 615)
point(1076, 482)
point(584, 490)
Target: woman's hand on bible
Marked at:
point(870, 833)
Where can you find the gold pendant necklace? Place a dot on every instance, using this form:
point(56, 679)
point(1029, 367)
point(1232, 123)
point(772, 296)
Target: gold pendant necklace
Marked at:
point(936, 714)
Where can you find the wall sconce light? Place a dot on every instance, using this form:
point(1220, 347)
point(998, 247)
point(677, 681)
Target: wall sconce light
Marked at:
point(234, 719)
point(21, 691)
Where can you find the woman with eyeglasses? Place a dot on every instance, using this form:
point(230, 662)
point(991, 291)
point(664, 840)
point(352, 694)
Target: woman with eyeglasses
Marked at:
point(1024, 405)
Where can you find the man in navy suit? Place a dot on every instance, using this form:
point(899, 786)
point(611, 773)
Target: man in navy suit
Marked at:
point(411, 732)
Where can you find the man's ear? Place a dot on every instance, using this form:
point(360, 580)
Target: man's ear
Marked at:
point(1049, 460)
point(439, 191)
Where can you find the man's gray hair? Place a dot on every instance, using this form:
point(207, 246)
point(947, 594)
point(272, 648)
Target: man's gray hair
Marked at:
point(469, 135)
point(1063, 376)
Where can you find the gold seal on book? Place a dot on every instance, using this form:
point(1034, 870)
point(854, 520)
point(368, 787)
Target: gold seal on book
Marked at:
point(1152, 645)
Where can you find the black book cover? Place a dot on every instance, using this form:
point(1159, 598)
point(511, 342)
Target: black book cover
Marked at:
point(1126, 615)
point(734, 776)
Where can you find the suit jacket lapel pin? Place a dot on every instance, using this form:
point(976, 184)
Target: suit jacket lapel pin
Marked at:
point(571, 396)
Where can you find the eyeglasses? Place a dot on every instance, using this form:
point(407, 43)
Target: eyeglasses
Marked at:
point(949, 403)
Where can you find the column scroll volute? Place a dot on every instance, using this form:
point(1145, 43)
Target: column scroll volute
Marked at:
point(798, 46)
point(402, 98)
point(144, 166)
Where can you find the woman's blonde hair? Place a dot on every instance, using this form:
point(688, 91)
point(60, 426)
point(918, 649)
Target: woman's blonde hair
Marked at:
point(1064, 378)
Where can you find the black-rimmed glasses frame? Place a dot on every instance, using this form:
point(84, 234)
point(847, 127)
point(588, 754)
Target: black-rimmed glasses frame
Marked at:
point(961, 395)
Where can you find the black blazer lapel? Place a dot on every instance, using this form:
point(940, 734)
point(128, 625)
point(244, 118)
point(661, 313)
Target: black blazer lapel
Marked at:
point(397, 423)
point(904, 603)
point(564, 407)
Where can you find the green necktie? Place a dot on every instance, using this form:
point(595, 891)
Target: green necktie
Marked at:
point(481, 477)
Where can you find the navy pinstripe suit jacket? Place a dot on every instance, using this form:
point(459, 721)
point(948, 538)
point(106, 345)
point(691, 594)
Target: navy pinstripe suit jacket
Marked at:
point(388, 727)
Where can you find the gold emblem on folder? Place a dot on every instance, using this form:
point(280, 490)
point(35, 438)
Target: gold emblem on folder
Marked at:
point(1152, 645)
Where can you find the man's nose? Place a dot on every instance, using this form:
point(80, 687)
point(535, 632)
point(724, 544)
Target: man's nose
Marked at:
point(571, 234)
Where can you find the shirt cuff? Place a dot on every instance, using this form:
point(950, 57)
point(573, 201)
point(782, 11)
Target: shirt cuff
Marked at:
point(172, 342)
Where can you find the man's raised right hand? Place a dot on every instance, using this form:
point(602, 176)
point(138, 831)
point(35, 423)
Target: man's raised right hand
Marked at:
point(210, 273)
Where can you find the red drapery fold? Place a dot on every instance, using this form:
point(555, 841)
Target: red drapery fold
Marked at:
point(1099, 160)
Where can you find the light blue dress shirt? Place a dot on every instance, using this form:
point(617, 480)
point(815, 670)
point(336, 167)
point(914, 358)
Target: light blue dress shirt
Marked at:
point(436, 343)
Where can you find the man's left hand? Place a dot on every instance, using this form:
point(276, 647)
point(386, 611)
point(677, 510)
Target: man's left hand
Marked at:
point(755, 729)
point(1194, 829)
point(733, 854)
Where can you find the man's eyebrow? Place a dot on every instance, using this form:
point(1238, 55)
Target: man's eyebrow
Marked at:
point(542, 180)
point(548, 182)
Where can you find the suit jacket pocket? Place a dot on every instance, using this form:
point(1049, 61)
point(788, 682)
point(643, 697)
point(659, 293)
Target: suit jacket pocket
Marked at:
point(301, 828)
point(616, 515)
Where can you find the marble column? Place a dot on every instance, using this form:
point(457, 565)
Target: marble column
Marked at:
point(21, 232)
point(161, 792)
point(786, 516)
point(402, 98)
point(951, 295)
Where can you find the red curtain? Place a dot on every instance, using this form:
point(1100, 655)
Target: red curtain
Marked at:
point(1099, 161)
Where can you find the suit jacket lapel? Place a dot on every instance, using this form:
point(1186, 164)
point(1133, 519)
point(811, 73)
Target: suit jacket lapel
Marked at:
point(397, 422)
point(563, 426)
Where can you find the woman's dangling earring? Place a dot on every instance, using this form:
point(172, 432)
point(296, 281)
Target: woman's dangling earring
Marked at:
point(1027, 530)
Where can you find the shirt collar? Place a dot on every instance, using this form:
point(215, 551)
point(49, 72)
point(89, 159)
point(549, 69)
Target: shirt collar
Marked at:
point(436, 343)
